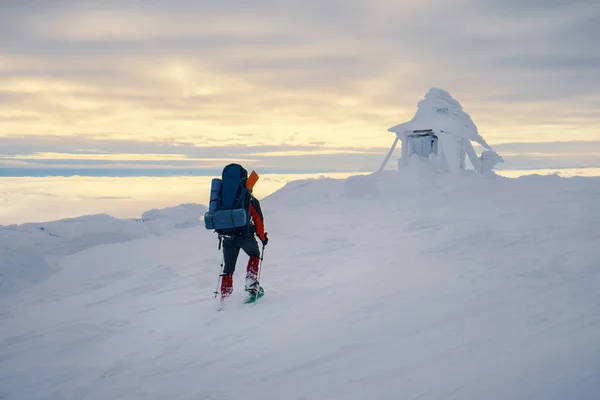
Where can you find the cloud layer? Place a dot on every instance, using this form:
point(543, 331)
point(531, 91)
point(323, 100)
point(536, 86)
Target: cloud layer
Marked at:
point(206, 77)
point(42, 156)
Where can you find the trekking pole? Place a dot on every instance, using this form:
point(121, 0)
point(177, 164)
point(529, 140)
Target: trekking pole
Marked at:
point(219, 280)
point(221, 271)
point(262, 254)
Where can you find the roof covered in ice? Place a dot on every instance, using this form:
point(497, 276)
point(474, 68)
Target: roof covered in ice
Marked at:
point(440, 111)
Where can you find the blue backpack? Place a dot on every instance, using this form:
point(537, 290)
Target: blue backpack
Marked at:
point(229, 207)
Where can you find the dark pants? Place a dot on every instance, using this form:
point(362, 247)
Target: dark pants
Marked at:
point(231, 250)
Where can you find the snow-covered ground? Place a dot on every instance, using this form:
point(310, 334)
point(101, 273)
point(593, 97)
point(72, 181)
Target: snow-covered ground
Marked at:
point(399, 286)
point(29, 252)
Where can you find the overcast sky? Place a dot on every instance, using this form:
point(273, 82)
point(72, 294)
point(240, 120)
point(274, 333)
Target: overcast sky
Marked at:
point(207, 79)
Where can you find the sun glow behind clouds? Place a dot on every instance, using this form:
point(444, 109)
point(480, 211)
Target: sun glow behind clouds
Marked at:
point(288, 73)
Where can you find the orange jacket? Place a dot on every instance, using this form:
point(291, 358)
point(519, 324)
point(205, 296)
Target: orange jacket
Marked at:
point(257, 218)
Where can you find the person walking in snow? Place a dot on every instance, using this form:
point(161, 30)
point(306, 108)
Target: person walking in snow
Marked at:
point(236, 215)
point(247, 242)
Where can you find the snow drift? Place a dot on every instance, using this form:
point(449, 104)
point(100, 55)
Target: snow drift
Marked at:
point(28, 252)
point(389, 286)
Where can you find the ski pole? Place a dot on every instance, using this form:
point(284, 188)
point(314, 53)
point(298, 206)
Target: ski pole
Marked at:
point(262, 254)
point(219, 280)
point(221, 271)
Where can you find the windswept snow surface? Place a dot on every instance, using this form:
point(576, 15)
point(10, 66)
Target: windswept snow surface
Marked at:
point(404, 285)
point(28, 252)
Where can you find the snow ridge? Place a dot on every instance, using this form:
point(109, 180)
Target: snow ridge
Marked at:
point(28, 252)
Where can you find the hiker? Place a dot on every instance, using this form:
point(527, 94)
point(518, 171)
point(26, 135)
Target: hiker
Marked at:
point(247, 242)
point(236, 215)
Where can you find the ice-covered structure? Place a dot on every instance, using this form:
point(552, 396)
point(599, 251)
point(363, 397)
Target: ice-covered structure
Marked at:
point(442, 132)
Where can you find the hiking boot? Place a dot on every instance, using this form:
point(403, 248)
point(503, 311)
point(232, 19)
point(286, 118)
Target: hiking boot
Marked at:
point(253, 287)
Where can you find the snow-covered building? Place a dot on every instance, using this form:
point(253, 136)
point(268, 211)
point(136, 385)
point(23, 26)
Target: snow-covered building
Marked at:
point(441, 132)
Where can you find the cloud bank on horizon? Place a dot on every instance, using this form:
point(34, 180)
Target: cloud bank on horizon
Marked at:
point(300, 82)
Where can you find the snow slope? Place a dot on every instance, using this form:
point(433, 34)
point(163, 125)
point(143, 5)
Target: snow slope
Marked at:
point(387, 287)
point(28, 252)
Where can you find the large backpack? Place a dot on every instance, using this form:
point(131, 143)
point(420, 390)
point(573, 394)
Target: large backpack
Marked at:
point(229, 208)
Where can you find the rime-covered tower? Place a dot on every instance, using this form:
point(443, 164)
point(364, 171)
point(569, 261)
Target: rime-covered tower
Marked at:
point(442, 132)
